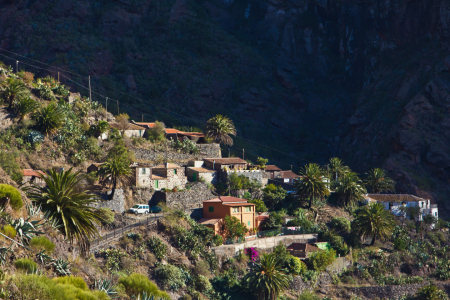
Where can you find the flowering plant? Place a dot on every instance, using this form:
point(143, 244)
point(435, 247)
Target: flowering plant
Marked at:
point(252, 253)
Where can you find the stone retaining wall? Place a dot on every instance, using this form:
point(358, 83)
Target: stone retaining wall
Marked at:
point(206, 150)
point(116, 204)
point(388, 291)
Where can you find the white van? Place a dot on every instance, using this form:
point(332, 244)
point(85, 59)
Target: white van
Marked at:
point(139, 209)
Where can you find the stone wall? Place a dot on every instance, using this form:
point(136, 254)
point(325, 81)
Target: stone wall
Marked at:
point(265, 243)
point(143, 195)
point(255, 174)
point(116, 204)
point(387, 291)
point(206, 150)
point(190, 199)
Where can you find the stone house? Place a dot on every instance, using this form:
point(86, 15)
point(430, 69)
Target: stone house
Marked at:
point(33, 177)
point(164, 176)
point(302, 250)
point(289, 177)
point(272, 171)
point(175, 134)
point(132, 130)
point(227, 163)
point(393, 202)
point(93, 167)
point(197, 172)
point(215, 210)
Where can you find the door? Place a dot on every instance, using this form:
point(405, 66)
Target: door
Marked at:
point(156, 184)
point(195, 177)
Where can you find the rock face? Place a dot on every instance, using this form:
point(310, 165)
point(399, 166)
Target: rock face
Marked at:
point(364, 80)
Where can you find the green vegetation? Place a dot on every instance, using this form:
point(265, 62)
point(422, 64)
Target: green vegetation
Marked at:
point(157, 133)
point(10, 192)
point(259, 205)
point(9, 231)
point(273, 194)
point(320, 260)
point(350, 189)
point(136, 284)
point(313, 184)
point(13, 88)
point(107, 215)
point(41, 243)
point(220, 128)
point(375, 222)
point(171, 277)
point(64, 203)
point(49, 118)
point(378, 182)
point(115, 170)
point(26, 265)
point(234, 228)
point(157, 247)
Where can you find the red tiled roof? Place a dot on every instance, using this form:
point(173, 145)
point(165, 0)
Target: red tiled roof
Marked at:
point(194, 134)
point(226, 199)
point(272, 168)
point(394, 197)
point(238, 204)
point(130, 126)
point(288, 174)
point(262, 217)
point(303, 247)
point(202, 170)
point(30, 172)
point(172, 131)
point(149, 125)
point(206, 221)
point(167, 166)
point(226, 160)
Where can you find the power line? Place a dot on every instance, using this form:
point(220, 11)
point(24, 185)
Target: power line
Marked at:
point(139, 111)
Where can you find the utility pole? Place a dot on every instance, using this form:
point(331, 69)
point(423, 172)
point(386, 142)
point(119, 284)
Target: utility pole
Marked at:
point(242, 153)
point(142, 118)
point(17, 66)
point(58, 77)
point(90, 91)
point(106, 104)
point(291, 167)
point(117, 107)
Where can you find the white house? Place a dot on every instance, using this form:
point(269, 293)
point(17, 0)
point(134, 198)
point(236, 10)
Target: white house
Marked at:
point(393, 202)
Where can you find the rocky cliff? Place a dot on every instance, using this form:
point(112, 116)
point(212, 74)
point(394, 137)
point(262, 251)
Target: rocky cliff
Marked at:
point(367, 80)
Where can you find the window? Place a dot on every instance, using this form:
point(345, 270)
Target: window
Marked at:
point(235, 210)
point(421, 204)
point(140, 133)
point(211, 209)
point(435, 214)
point(248, 209)
point(143, 170)
point(175, 171)
point(248, 223)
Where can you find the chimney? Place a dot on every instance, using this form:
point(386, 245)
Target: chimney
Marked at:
point(167, 165)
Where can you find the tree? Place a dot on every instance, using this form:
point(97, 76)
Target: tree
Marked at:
point(273, 194)
point(26, 106)
point(234, 228)
point(64, 202)
point(262, 162)
point(220, 128)
point(157, 133)
point(313, 184)
point(122, 122)
point(259, 205)
point(350, 189)
point(99, 129)
point(49, 118)
point(430, 292)
point(375, 222)
point(337, 168)
point(12, 89)
point(320, 260)
point(115, 170)
point(378, 181)
point(267, 278)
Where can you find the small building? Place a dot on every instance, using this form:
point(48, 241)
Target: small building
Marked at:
point(131, 130)
point(272, 171)
point(93, 167)
point(175, 134)
point(260, 219)
point(164, 176)
point(393, 202)
point(302, 250)
point(228, 163)
point(215, 210)
point(289, 177)
point(33, 177)
point(197, 172)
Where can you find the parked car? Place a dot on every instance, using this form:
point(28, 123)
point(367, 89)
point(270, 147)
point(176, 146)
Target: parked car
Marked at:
point(155, 209)
point(139, 209)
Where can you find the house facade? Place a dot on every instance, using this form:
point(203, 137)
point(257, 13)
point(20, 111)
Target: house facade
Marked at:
point(196, 171)
point(272, 171)
point(131, 130)
point(33, 177)
point(164, 176)
point(229, 165)
point(394, 202)
point(175, 134)
point(215, 210)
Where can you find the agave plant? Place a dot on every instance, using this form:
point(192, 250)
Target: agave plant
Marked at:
point(43, 257)
point(33, 210)
point(3, 254)
point(62, 267)
point(144, 296)
point(107, 286)
point(26, 229)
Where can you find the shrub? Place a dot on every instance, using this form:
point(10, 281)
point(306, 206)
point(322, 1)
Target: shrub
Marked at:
point(157, 247)
point(135, 284)
point(399, 244)
point(296, 266)
point(431, 292)
point(341, 224)
point(252, 253)
point(308, 296)
point(41, 243)
point(31, 287)
point(320, 260)
point(107, 214)
point(186, 297)
point(202, 284)
point(9, 231)
point(26, 265)
point(217, 240)
point(13, 194)
point(202, 268)
point(171, 277)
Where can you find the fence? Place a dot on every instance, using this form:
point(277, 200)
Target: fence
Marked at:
point(120, 231)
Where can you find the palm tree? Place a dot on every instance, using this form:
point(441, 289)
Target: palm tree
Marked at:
point(350, 189)
point(25, 107)
point(116, 169)
point(12, 89)
point(313, 184)
point(375, 222)
point(219, 128)
point(378, 181)
point(267, 278)
point(49, 118)
point(64, 202)
point(337, 168)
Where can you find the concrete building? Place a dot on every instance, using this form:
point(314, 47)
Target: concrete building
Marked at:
point(215, 210)
point(164, 176)
point(131, 130)
point(197, 172)
point(393, 202)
